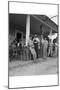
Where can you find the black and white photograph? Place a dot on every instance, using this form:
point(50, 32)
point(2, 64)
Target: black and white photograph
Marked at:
point(33, 42)
point(33, 45)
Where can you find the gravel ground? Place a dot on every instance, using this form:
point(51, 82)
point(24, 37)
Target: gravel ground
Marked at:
point(41, 67)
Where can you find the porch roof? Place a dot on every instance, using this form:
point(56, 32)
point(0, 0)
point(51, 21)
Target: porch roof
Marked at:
point(18, 21)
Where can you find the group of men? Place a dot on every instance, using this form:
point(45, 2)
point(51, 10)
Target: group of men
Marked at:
point(34, 44)
point(40, 46)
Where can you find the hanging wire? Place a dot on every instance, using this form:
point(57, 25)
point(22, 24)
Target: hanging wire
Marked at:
point(54, 16)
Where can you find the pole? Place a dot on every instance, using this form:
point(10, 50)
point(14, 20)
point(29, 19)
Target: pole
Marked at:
point(27, 28)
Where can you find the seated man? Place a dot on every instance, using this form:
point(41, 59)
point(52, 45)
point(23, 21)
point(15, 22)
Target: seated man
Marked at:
point(31, 48)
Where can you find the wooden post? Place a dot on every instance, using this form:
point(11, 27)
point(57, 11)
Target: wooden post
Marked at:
point(27, 35)
point(27, 29)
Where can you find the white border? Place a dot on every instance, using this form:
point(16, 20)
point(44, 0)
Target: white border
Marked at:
point(30, 81)
point(31, 8)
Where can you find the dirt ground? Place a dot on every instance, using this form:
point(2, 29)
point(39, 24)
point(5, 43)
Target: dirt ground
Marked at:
point(41, 67)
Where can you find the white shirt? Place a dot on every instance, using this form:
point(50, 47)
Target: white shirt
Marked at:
point(37, 39)
point(30, 43)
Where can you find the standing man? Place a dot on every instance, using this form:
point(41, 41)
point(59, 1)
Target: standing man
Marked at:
point(36, 44)
point(50, 50)
point(45, 46)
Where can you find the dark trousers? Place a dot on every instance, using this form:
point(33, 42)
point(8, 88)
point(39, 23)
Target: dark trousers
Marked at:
point(36, 49)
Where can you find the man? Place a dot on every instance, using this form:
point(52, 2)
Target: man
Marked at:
point(45, 46)
point(50, 51)
point(31, 48)
point(36, 44)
